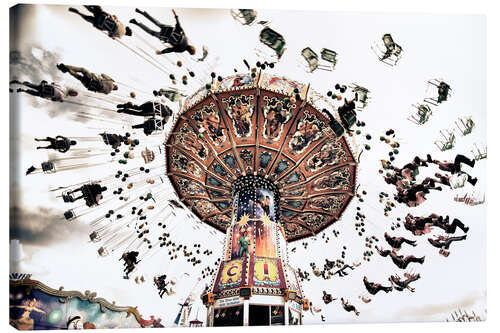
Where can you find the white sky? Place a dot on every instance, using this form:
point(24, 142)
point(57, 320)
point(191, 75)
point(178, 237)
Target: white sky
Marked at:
point(435, 46)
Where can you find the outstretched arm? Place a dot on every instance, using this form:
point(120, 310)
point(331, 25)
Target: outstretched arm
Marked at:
point(383, 253)
point(107, 77)
point(167, 50)
point(176, 17)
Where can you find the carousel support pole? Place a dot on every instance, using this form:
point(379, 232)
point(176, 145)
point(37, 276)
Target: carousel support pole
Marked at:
point(210, 316)
point(285, 309)
point(246, 310)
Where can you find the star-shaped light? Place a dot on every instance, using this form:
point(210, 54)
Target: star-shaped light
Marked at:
point(266, 220)
point(244, 220)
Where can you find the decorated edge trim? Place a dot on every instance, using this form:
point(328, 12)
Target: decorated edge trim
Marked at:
point(86, 296)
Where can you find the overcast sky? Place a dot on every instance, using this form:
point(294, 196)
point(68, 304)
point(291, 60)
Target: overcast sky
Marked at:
point(435, 46)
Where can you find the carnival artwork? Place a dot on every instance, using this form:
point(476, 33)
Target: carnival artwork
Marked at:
point(208, 120)
point(243, 242)
point(265, 272)
point(34, 306)
point(231, 275)
point(240, 109)
point(276, 114)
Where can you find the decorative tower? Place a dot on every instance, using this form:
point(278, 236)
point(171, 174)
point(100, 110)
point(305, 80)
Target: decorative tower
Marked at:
point(253, 156)
point(254, 285)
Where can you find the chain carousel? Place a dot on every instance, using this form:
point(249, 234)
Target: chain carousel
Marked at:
point(256, 156)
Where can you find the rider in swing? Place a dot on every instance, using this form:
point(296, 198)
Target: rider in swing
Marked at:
point(130, 259)
point(50, 91)
point(99, 83)
point(161, 284)
point(60, 143)
point(175, 36)
point(104, 21)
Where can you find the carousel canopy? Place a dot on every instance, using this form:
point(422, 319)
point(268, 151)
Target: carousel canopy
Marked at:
point(267, 126)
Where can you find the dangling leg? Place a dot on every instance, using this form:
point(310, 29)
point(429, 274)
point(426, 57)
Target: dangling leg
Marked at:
point(462, 159)
point(79, 73)
point(471, 180)
point(386, 289)
point(147, 108)
point(124, 105)
point(47, 147)
point(49, 139)
point(451, 228)
point(138, 126)
point(149, 17)
point(75, 70)
point(411, 259)
point(145, 28)
point(96, 10)
point(410, 242)
point(75, 190)
point(128, 107)
point(129, 270)
point(88, 18)
point(131, 112)
point(134, 107)
point(454, 239)
point(430, 181)
point(32, 86)
point(30, 91)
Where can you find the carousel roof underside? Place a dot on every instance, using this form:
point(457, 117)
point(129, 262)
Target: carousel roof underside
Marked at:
point(245, 125)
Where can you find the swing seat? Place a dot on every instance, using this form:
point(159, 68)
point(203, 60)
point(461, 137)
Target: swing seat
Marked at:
point(443, 91)
point(362, 95)
point(89, 196)
point(148, 156)
point(69, 215)
point(392, 53)
point(102, 252)
point(105, 138)
point(311, 57)
point(274, 40)
point(94, 237)
point(336, 127)
point(442, 94)
point(94, 85)
point(107, 23)
point(67, 197)
point(47, 91)
point(158, 126)
point(48, 167)
point(244, 16)
point(329, 55)
point(349, 118)
point(423, 114)
point(388, 41)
